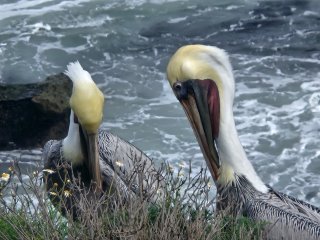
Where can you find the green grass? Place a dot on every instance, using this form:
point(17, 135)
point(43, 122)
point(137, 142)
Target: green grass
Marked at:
point(186, 211)
point(8, 229)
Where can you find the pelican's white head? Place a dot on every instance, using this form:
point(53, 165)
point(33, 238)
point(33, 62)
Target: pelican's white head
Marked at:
point(200, 62)
point(202, 80)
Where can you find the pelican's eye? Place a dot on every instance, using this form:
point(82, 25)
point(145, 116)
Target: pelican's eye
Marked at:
point(180, 90)
point(177, 86)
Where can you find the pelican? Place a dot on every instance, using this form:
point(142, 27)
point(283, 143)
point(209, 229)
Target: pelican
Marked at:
point(202, 80)
point(101, 161)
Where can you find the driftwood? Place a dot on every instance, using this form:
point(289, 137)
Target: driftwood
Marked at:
point(31, 114)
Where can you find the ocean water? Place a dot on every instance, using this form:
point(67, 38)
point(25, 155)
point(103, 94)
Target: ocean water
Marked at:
point(274, 48)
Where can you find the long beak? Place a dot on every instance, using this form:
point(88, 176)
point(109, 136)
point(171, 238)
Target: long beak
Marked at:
point(91, 143)
point(200, 101)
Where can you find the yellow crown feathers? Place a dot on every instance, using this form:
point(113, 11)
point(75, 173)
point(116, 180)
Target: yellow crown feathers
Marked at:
point(87, 100)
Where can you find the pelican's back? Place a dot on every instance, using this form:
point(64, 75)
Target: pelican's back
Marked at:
point(129, 163)
point(125, 170)
point(285, 217)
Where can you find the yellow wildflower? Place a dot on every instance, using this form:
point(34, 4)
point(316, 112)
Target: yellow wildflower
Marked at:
point(67, 193)
point(5, 177)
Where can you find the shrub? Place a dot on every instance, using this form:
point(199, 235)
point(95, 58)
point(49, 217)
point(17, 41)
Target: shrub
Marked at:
point(184, 209)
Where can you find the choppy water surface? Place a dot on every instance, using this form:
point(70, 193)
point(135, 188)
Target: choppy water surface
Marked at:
point(274, 48)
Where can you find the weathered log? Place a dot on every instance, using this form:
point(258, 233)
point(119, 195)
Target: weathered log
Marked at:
point(31, 114)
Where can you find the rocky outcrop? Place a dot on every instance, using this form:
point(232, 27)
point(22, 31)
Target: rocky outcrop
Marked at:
point(31, 114)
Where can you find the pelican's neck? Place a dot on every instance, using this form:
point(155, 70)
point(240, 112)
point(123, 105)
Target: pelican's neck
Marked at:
point(233, 158)
point(71, 145)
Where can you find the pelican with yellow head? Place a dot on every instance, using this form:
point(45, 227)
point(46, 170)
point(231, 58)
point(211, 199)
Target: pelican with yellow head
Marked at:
point(86, 102)
point(94, 155)
point(202, 80)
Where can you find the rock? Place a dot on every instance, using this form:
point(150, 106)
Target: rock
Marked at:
point(31, 114)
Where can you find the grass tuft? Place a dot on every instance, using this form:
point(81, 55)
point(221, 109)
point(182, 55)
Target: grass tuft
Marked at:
point(184, 209)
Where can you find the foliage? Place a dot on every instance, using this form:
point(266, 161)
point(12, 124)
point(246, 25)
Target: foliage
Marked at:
point(184, 209)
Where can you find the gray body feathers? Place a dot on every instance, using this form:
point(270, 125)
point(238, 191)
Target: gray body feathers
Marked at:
point(285, 217)
point(125, 170)
point(135, 169)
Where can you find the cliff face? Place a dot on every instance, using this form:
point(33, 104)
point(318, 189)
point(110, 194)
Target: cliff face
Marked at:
point(31, 114)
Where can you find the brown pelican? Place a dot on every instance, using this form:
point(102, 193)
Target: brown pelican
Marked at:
point(93, 155)
point(202, 80)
